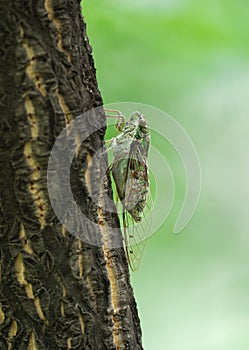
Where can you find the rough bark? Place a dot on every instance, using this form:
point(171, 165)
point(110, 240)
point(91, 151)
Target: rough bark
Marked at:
point(56, 290)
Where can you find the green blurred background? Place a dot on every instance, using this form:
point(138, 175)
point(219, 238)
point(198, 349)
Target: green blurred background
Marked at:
point(190, 59)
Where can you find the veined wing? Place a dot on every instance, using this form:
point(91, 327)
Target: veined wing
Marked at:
point(137, 207)
point(136, 233)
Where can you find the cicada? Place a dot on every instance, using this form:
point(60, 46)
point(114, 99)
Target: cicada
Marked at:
point(129, 169)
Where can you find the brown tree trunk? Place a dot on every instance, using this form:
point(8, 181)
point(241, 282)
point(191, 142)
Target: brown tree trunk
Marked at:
point(60, 288)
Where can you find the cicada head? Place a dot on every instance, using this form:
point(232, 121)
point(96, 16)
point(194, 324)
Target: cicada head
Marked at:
point(142, 126)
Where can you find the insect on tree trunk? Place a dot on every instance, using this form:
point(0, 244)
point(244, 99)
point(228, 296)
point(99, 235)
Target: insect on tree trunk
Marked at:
point(57, 291)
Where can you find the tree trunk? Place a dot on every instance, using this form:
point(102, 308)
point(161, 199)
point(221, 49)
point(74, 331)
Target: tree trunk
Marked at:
point(58, 289)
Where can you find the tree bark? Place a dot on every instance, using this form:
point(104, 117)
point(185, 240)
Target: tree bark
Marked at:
point(57, 291)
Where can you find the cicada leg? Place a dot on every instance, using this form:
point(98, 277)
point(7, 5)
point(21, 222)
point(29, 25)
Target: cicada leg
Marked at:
point(121, 119)
point(119, 114)
point(107, 142)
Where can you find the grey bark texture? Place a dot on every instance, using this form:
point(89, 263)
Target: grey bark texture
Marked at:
point(56, 290)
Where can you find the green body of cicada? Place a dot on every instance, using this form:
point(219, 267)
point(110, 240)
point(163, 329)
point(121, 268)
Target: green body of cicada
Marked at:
point(130, 168)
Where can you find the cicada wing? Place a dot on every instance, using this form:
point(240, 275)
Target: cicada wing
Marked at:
point(130, 174)
point(137, 233)
point(109, 149)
